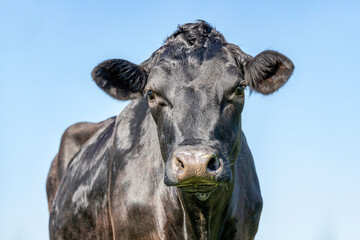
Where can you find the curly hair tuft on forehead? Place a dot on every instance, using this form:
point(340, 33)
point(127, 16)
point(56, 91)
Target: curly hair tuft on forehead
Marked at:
point(195, 34)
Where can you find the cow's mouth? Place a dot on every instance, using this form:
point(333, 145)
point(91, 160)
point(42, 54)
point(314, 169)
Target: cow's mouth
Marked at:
point(201, 188)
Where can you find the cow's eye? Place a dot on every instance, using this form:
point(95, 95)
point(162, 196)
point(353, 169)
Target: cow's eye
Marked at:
point(156, 99)
point(240, 91)
point(151, 95)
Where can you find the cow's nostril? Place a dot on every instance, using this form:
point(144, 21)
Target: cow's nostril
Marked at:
point(213, 164)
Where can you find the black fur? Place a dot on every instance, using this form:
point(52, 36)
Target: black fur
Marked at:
point(139, 176)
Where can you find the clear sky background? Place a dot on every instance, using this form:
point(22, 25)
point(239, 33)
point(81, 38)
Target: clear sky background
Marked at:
point(304, 138)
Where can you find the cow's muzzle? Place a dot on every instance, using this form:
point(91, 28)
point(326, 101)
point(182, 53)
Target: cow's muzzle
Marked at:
point(195, 170)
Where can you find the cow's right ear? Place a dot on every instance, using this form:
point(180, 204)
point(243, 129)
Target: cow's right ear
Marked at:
point(120, 79)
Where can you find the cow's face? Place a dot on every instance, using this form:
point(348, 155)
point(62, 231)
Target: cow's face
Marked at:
point(196, 103)
point(196, 98)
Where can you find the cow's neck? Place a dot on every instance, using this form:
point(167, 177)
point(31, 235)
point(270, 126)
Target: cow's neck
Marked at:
point(206, 219)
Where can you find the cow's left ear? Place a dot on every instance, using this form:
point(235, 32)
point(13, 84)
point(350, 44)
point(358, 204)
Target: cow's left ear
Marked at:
point(120, 79)
point(268, 71)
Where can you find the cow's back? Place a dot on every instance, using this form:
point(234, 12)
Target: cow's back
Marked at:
point(71, 142)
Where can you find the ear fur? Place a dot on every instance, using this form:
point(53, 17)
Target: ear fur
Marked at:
point(120, 79)
point(268, 71)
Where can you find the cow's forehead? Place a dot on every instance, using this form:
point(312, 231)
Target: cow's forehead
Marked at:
point(217, 70)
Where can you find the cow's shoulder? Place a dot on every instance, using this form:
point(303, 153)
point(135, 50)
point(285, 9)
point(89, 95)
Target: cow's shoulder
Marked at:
point(80, 204)
point(73, 138)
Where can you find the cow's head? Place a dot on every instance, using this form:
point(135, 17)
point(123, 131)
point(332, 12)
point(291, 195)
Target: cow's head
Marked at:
point(194, 86)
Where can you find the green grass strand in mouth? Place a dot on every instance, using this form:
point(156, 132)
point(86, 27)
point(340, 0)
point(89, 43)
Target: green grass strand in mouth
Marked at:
point(197, 182)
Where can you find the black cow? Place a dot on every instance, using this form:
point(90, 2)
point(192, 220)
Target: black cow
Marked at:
point(175, 163)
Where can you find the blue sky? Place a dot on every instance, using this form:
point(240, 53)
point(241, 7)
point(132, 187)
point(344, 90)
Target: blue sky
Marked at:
point(304, 138)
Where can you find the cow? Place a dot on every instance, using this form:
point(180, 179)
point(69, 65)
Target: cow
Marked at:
point(174, 164)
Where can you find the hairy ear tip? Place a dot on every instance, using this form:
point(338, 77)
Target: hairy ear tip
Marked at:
point(95, 73)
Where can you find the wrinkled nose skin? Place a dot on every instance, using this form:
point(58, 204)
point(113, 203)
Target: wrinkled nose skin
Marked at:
point(190, 164)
